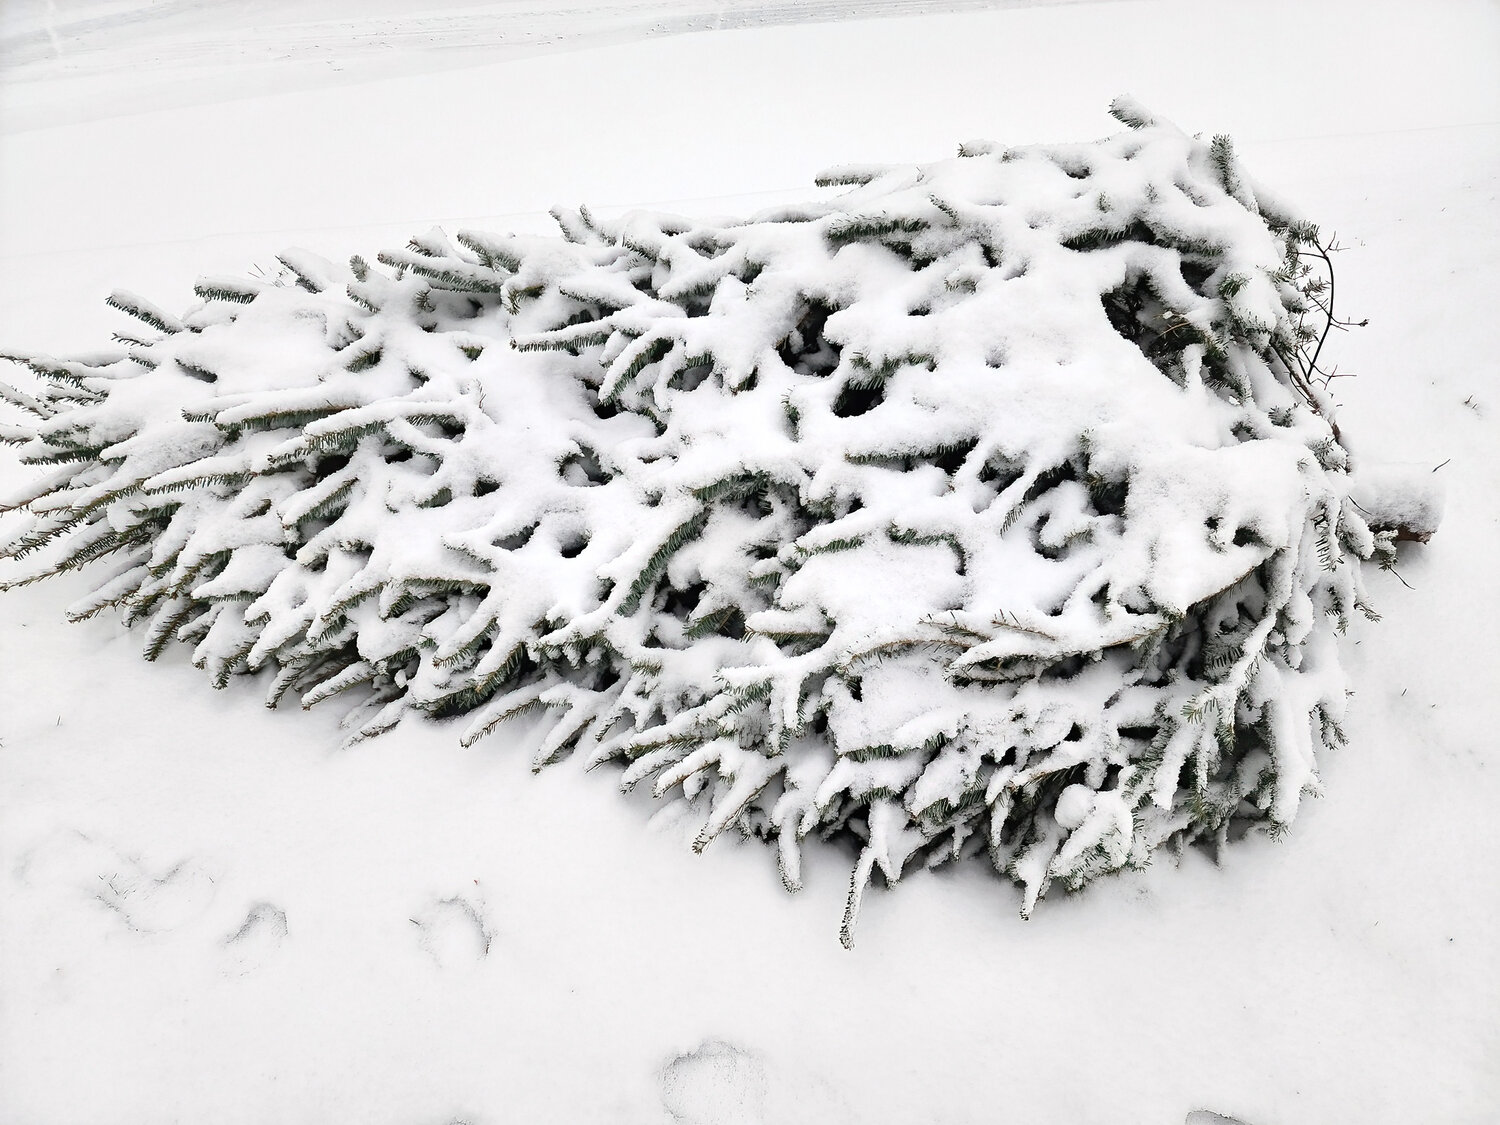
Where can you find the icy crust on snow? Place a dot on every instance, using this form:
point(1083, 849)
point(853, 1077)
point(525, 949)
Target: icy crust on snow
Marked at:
point(982, 508)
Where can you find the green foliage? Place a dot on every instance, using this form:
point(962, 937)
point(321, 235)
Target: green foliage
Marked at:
point(864, 520)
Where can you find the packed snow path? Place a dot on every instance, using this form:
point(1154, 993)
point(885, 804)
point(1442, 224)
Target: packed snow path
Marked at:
point(58, 56)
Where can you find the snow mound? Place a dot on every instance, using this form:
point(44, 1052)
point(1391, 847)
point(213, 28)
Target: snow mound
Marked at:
point(991, 506)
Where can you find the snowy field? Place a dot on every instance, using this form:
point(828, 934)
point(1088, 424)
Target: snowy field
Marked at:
point(209, 914)
point(63, 60)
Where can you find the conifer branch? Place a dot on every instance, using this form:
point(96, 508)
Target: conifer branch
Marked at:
point(820, 518)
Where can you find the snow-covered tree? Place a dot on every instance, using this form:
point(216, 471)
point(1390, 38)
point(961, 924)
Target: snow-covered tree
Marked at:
point(991, 506)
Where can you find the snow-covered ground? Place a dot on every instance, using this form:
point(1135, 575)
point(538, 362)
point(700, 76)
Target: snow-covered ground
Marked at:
point(64, 60)
point(209, 914)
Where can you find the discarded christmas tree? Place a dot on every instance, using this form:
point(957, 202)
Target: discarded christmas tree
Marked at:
point(992, 506)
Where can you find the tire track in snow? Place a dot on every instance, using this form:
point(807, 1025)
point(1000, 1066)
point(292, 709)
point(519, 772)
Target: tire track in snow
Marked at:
point(36, 45)
point(61, 62)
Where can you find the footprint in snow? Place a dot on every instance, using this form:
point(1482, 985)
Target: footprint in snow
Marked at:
point(146, 898)
point(256, 941)
point(722, 1083)
point(716, 1084)
point(453, 932)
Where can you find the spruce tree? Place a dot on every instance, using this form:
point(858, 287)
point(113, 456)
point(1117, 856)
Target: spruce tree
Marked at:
point(988, 507)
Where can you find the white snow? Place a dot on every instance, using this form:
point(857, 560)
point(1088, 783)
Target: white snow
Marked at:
point(1074, 806)
point(1409, 496)
point(209, 914)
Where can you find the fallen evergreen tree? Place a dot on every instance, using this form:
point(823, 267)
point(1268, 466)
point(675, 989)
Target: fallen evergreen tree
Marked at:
point(993, 506)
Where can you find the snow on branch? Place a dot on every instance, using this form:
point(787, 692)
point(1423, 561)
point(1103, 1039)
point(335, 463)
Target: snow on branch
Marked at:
point(993, 507)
